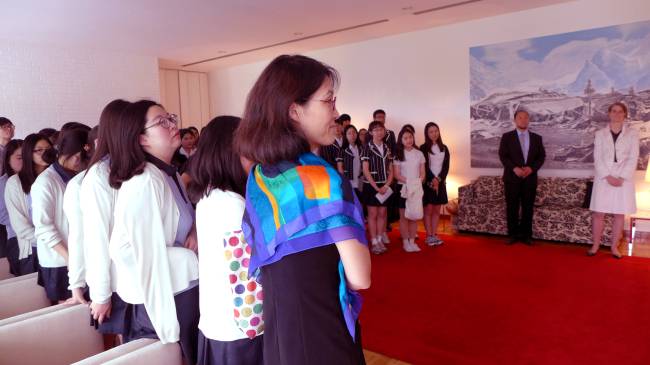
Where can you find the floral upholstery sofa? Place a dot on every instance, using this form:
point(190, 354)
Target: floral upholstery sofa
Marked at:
point(558, 215)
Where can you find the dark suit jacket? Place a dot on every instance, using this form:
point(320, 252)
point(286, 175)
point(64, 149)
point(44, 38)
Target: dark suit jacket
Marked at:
point(512, 156)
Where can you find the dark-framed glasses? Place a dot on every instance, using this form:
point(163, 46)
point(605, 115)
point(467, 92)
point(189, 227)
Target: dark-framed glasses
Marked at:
point(164, 122)
point(8, 127)
point(330, 101)
point(41, 150)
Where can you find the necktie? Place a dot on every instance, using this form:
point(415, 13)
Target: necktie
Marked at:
point(523, 146)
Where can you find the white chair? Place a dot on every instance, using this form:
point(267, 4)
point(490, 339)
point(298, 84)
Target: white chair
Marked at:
point(61, 337)
point(139, 352)
point(4, 269)
point(21, 295)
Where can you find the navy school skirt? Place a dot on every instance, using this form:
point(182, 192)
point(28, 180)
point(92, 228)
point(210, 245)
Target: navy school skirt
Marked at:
point(55, 281)
point(239, 352)
point(187, 312)
point(369, 196)
point(114, 324)
point(26, 266)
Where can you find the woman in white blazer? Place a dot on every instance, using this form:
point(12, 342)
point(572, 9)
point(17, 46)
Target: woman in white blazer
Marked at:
point(154, 237)
point(19, 200)
point(108, 310)
point(50, 222)
point(12, 162)
point(616, 152)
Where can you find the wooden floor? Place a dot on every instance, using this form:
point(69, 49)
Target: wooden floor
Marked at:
point(640, 247)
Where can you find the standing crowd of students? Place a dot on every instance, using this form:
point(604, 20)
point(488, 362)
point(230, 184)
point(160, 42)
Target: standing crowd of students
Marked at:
point(388, 173)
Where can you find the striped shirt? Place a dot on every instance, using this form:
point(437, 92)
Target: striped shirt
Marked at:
point(389, 139)
point(378, 163)
point(329, 153)
point(347, 157)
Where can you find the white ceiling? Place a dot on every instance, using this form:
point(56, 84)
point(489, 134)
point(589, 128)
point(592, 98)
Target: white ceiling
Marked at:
point(182, 32)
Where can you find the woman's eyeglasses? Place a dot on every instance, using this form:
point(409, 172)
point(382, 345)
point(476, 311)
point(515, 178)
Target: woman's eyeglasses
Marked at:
point(330, 101)
point(41, 150)
point(165, 122)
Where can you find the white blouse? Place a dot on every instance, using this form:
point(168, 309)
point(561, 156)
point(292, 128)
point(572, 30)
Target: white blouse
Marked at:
point(436, 159)
point(19, 215)
point(76, 251)
point(217, 214)
point(410, 167)
point(150, 268)
point(98, 199)
point(50, 223)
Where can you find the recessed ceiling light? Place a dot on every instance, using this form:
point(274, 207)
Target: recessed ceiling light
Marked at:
point(297, 33)
point(221, 52)
point(407, 8)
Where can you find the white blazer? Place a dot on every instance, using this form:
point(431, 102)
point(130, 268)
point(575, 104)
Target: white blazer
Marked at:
point(21, 220)
point(627, 153)
point(72, 210)
point(150, 268)
point(50, 223)
point(97, 209)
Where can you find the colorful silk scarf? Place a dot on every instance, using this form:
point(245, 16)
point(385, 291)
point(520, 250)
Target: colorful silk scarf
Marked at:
point(297, 205)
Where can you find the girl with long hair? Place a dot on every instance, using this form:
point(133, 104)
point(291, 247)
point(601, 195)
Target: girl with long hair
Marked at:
point(311, 250)
point(50, 222)
point(19, 200)
point(12, 162)
point(153, 242)
point(436, 155)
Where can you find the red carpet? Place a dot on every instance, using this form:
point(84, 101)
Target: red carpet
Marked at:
point(475, 301)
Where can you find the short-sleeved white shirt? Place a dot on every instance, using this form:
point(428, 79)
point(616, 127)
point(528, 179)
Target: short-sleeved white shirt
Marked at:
point(410, 167)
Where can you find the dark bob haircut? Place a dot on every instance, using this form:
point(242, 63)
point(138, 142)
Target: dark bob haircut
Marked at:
point(399, 146)
point(47, 132)
point(346, 143)
point(72, 143)
point(214, 164)
point(185, 131)
point(107, 121)
point(10, 148)
point(27, 174)
point(267, 134)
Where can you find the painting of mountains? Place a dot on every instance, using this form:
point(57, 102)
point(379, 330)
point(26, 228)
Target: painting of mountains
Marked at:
point(565, 82)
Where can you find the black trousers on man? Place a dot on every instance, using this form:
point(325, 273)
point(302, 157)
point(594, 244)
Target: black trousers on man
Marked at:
point(520, 194)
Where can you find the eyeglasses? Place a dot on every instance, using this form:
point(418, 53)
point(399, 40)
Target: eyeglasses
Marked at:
point(41, 150)
point(165, 122)
point(331, 101)
point(8, 127)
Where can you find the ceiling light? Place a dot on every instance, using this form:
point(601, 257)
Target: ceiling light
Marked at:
point(407, 8)
point(297, 33)
point(221, 52)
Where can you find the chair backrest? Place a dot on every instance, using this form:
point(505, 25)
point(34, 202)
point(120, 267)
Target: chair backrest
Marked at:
point(4, 269)
point(118, 351)
point(21, 295)
point(14, 279)
point(36, 313)
point(62, 337)
point(154, 354)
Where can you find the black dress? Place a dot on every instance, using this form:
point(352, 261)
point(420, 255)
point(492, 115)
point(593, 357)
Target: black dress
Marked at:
point(303, 319)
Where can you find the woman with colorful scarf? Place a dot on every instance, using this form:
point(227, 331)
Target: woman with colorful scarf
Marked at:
point(303, 220)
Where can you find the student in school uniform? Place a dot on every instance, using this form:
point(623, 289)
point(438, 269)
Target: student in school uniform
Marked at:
point(107, 309)
point(6, 134)
point(349, 158)
point(218, 188)
point(187, 143)
point(74, 216)
point(19, 200)
point(153, 242)
point(389, 139)
point(331, 152)
point(50, 223)
point(12, 162)
point(377, 163)
point(436, 155)
point(408, 165)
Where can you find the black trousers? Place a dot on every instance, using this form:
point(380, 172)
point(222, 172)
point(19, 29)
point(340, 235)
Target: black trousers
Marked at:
point(519, 194)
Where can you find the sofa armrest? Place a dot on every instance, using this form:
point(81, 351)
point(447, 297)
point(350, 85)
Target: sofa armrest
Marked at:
point(465, 194)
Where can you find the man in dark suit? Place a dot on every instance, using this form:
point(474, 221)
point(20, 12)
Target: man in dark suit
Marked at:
point(522, 155)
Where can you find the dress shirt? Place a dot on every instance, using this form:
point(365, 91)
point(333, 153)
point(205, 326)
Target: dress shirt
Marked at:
point(526, 142)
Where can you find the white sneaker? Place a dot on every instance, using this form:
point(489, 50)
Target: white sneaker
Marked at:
point(414, 247)
point(381, 245)
point(407, 246)
point(374, 247)
point(438, 240)
point(384, 238)
point(430, 241)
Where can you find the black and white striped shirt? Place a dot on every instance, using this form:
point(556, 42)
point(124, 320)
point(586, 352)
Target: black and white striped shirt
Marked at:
point(347, 157)
point(329, 153)
point(378, 163)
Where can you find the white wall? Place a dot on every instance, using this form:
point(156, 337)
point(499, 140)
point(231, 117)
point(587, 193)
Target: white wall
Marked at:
point(424, 76)
point(47, 86)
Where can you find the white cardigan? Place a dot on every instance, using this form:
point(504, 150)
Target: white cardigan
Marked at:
point(21, 221)
point(50, 223)
point(98, 202)
point(627, 153)
point(72, 210)
point(150, 268)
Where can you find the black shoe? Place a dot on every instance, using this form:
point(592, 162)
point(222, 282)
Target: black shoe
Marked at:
point(511, 241)
point(389, 228)
point(528, 241)
point(591, 254)
point(618, 257)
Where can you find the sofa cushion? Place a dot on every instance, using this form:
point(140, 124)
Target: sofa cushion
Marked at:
point(544, 191)
point(566, 214)
point(569, 191)
point(488, 188)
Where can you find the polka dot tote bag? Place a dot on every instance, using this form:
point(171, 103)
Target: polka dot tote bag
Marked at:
point(247, 293)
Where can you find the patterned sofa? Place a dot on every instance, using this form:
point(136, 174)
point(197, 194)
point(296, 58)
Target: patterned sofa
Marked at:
point(558, 215)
